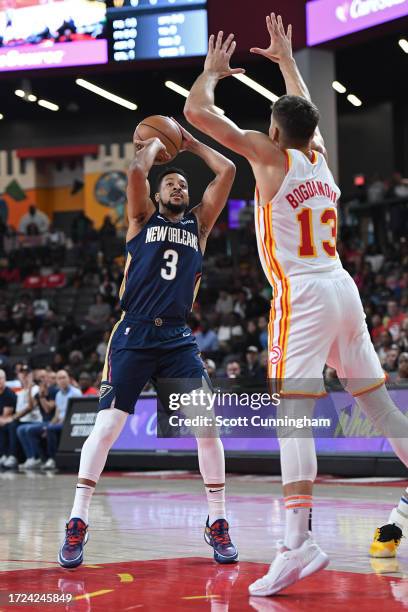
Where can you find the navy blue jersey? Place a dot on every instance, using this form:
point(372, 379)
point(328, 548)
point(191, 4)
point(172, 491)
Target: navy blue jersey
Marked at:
point(163, 268)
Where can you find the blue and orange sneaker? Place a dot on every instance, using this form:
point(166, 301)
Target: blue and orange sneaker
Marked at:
point(71, 553)
point(218, 537)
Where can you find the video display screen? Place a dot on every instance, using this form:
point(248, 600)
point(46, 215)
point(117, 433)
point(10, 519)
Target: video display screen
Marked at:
point(154, 29)
point(52, 33)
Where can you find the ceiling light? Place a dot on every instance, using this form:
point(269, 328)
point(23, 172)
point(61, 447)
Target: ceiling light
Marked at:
point(1, 116)
point(403, 43)
point(20, 93)
point(32, 98)
point(339, 87)
point(256, 87)
point(184, 92)
point(354, 100)
point(49, 105)
point(106, 94)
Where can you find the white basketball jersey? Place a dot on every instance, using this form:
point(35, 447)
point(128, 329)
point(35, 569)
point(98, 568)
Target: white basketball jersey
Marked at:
point(296, 231)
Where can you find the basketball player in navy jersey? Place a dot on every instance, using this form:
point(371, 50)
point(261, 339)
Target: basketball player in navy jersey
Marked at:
point(165, 249)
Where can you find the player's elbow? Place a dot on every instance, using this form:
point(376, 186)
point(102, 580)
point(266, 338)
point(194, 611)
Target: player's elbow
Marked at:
point(229, 170)
point(193, 114)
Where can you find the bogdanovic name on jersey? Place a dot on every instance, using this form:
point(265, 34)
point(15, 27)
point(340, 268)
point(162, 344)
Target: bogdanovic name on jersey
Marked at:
point(310, 189)
point(158, 233)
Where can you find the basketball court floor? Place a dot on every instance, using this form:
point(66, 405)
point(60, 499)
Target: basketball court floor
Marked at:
point(146, 549)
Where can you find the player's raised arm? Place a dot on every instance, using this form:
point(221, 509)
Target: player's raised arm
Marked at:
point(200, 110)
point(216, 194)
point(280, 52)
point(139, 205)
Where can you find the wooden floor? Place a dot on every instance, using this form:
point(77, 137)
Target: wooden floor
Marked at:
point(146, 549)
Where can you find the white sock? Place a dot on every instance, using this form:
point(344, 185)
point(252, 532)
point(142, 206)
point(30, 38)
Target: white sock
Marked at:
point(297, 520)
point(83, 496)
point(212, 468)
point(216, 503)
point(399, 514)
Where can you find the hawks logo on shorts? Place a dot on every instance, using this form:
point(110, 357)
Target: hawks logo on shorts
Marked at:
point(275, 354)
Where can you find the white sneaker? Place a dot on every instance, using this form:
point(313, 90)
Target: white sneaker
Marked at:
point(31, 464)
point(50, 464)
point(289, 566)
point(3, 458)
point(10, 462)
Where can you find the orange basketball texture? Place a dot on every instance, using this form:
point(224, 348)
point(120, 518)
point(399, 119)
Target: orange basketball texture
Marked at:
point(158, 126)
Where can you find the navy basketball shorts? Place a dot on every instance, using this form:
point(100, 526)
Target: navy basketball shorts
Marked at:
point(142, 350)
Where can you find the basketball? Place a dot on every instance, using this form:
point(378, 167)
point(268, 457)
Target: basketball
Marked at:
point(164, 128)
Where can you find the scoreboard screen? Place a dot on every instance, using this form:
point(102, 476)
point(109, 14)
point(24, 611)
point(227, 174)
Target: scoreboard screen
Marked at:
point(154, 29)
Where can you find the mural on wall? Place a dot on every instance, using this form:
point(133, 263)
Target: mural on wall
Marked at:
point(95, 184)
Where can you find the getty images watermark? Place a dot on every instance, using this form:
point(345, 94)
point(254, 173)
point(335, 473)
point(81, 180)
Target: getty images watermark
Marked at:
point(199, 400)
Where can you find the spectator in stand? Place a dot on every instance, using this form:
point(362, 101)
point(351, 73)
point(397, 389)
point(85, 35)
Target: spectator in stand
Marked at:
point(253, 369)
point(390, 364)
point(85, 385)
point(41, 307)
point(377, 328)
point(26, 412)
point(401, 376)
point(102, 347)
point(44, 402)
point(240, 304)
point(252, 334)
point(207, 338)
point(394, 319)
point(263, 331)
point(54, 426)
point(58, 361)
point(93, 365)
point(80, 228)
point(99, 313)
point(28, 335)
point(8, 402)
point(108, 290)
point(34, 222)
point(75, 363)
point(70, 332)
point(47, 335)
point(398, 186)
point(384, 345)
point(108, 229)
point(224, 304)
point(376, 190)
point(21, 308)
point(233, 369)
point(229, 332)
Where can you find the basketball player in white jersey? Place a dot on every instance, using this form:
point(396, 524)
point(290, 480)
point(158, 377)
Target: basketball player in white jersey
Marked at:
point(316, 314)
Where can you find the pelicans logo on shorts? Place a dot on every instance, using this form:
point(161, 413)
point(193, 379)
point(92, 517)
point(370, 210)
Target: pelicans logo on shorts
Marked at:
point(104, 390)
point(275, 354)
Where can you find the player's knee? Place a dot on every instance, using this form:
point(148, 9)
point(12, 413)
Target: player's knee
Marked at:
point(298, 459)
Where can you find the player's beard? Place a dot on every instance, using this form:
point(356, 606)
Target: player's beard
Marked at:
point(174, 208)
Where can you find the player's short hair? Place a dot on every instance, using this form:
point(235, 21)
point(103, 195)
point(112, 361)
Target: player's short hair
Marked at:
point(297, 117)
point(170, 170)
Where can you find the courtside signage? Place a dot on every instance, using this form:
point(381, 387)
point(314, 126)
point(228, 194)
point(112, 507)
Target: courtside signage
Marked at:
point(330, 19)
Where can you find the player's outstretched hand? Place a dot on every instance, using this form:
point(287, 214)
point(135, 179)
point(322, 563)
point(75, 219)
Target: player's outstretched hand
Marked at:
point(188, 142)
point(280, 47)
point(219, 56)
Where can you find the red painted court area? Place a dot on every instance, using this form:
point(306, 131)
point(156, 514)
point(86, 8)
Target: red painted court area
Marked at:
point(190, 584)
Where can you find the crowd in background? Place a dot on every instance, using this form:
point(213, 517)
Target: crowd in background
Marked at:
point(42, 345)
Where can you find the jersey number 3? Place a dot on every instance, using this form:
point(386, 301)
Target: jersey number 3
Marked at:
point(170, 270)
point(307, 247)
